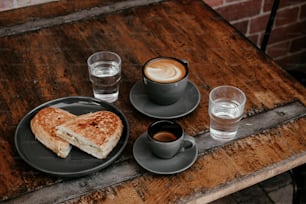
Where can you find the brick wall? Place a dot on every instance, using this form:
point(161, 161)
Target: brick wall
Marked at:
point(13, 4)
point(287, 42)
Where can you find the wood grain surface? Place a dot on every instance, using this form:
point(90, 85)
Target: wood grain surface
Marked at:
point(50, 63)
point(53, 9)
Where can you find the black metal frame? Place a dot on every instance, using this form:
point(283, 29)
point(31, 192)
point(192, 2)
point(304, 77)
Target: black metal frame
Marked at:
point(298, 174)
point(269, 25)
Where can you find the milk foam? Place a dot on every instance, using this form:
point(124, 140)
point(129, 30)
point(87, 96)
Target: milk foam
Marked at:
point(165, 71)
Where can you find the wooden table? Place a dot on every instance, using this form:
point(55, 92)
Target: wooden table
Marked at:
point(49, 62)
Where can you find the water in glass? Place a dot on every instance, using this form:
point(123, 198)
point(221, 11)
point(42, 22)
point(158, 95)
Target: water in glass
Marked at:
point(105, 77)
point(224, 119)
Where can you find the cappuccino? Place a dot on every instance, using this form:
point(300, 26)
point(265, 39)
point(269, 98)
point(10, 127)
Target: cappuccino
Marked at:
point(165, 70)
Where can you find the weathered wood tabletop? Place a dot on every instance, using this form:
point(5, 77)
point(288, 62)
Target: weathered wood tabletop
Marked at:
point(49, 62)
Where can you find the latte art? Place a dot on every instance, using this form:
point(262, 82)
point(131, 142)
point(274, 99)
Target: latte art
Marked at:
point(165, 71)
point(169, 73)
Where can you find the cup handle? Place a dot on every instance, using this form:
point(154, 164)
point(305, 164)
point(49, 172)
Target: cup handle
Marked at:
point(188, 143)
point(185, 62)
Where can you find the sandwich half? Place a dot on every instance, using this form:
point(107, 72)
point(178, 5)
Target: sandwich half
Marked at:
point(43, 126)
point(94, 133)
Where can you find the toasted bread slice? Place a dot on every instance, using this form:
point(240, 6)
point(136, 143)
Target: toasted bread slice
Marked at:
point(43, 127)
point(95, 133)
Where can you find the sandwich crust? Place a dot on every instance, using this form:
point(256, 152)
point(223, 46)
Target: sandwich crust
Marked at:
point(43, 127)
point(95, 133)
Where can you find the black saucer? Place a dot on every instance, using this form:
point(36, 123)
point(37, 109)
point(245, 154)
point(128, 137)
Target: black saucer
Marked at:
point(148, 161)
point(188, 103)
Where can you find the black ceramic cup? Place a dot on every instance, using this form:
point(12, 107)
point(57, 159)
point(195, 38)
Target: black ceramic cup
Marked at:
point(165, 79)
point(166, 138)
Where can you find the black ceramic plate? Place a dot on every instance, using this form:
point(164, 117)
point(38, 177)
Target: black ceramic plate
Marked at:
point(78, 163)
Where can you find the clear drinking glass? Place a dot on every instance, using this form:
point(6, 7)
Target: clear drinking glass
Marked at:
point(105, 73)
point(226, 106)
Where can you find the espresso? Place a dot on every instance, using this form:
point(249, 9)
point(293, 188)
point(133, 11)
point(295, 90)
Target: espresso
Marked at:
point(164, 136)
point(165, 70)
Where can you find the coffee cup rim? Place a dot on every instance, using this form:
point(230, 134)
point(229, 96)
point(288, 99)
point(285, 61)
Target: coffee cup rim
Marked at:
point(167, 121)
point(183, 62)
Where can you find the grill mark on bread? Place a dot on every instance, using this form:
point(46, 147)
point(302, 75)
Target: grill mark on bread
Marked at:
point(95, 133)
point(43, 126)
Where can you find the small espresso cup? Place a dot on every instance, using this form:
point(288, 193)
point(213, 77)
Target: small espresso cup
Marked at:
point(165, 79)
point(166, 138)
